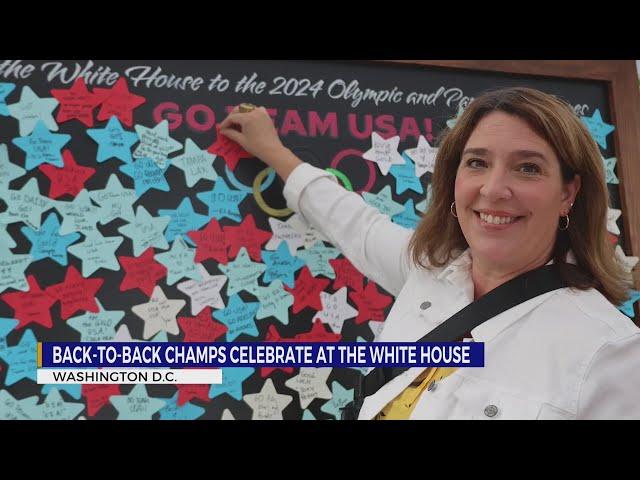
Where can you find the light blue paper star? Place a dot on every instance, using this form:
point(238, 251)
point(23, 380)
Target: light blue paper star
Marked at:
point(54, 408)
point(146, 231)
point(137, 405)
point(146, 175)
point(42, 146)
point(74, 390)
point(317, 259)
point(31, 109)
point(5, 90)
point(47, 241)
point(12, 267)
point(6, 326)
point(156, 144)
point(196, 164)
point(627, 307)
point(232, 379)
point(188, 411)
point(341, 397)
point(405, 176)
point(453, 121)
point(6, 240)
point(183, 219)
point(426, 203)
point(242, 273)
point(383, 201)
point(25, 205)
point(8, 171)
point(307, 415)
point(274, 301)
point(239, 317)
point(408, 218)
point(21, 359)
point(115, 201)
point(78, 215)
point(281, 265)
point(97, 251)
point(12, 409)
point(97, 327)
point(113, 141)
point(179, 262)
point(609, 166)
point(223, 201)
point(598, 129)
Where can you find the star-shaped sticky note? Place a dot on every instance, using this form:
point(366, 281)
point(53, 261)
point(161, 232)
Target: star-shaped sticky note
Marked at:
point(42, 146)
point(6, 326)
point(12, 409)
point(242, 273)
point(8, 171)
point(137, 405)
point(268, 404)
point(79, 215)
point(25, 205)
point(76, 102)
point(609, 166)
point(47, 241)
point(141, 272)
point(239, 317)
point(232, 379)
point(179, 262)
point(12, 267)
point(310, 234)
point(612, 216)
point(202, 327)
point(310, 383)
point(318, 333)
point(76, 293)
point(32, 109)
point(113, 141)
point(204, 292)
point(223, 201)
point(627, 306)
point(114, 200)
point(5, 90)
point(173, 411)
point(118, 101)
point(405, 176)
point(188, 392)
point(281, 265)
point(226, 148)
point(598, 128)
point(346, 275)
point(408, 218)
point(21, 359)
point(627, 262)
point(285, 233)
point(426, 203)
point(370, 303)
point(274, 301)
point(146, 231)
point(246, 235)
point(317, 259)
point(54, 408)
point(156, 144)
point(424, 157)
point(384, 152)
point(159, 314)
point(68, 180)
point(183, 219)
point(341, 397)
point(97, 251)
point(98, 396)
point(210, 243)
point(383, 202)
point(146, 175)
point(97, 327)
point(335, 309)
point(306, 292)
point(31, 306)
point(196, 164)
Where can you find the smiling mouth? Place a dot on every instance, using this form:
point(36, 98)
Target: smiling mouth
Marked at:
point(497, 220)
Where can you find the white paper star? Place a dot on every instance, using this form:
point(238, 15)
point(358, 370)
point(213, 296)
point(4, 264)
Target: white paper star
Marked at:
point(424, 156)
point(284, 232)
point(384, 152)
point(268, 404)
point(628, 262)
point(159, 314)
point(310, 383)
point(309, 233)
point(612, 215)
point(204, 292)
point(335, 309)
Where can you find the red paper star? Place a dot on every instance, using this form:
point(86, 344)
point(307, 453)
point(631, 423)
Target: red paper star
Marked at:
point(226, 148)
point(370, 303)
point(76, 102)
point(613, 239)
point(274, 336)
point(68, 179)
point(98, 396)
point(76, 293)
point(306, 292)
point(118, 101)
point(246, 235)
point(187, 392)
point(318, 333)
point(202, 327)
point(31, 306)
point(141, 272)
point(346, 275)
point(210, 243)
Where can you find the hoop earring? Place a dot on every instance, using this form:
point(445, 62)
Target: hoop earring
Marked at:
point(453, 212)
point(567, 224)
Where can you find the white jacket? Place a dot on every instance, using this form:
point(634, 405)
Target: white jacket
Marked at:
point(567, 354)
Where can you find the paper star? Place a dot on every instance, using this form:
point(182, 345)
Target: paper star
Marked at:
point(42, 146)
point(281, 265)
point(598, 129)
point(384, 152)
point(310, 383)
point(274, 336)
point(628, 262)
point(609, 166)
point(31, 306)
point(73, 390)
point(306, 292)
point(223, 201)
point(118, 101)
point(79, 215)
point(317, 259)
point(113, 141)
point(453, 121)
point(424, 156)
point(156, 144)
point(179, 262)
point(97, 327)
point(146, 175)
point(159, 314)
point(47, 241)
point(146, 231)
point(54, 408)
point(32, 109)
point(612, 216)
point(183, 219)
point(341, 397)
point(268, 404)
point(426, 203)
point(202, 327)
point(274, 301)
point(383, 202)
point(76, 293)
point(335, 309)
point(141, 272)
point(309, 233)
point(98, 396)
point(115, 201)
point(188, 392)
point(67, 180)
point(5, 90)
point(227, 415)
point(232, 379)
point(76, 102)
point(346, 275)
point(246, 235)
point(370, 303)
point(405, 176)
point(137, 405)
point(627, 306)
point(239, 316)
point(318, 333)
point(12, 409)
point(8, 171)
point(283, 232)
point(228, 149)
point(210, 243)
point(12, 269)
point(204, 292)
point(196, 164)
point(6, 326)
point(376, 328)
point(21, 359)
point(25, 205)
point(408, 218)
point(242, 273)
point(307, 415)
point(173, 411)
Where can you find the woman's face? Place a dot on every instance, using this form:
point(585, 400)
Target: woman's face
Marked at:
point(509, 194)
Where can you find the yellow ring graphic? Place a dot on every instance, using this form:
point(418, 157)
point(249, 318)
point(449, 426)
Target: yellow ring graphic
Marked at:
point(274, 212)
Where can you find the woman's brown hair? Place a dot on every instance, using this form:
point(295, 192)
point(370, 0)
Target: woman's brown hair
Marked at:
point(438, 237)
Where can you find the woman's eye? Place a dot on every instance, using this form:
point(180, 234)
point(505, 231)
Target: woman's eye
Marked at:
point(476, 163)
point(530, 168)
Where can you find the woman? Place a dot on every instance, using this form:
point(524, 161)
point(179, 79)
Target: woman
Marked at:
point(518, 184)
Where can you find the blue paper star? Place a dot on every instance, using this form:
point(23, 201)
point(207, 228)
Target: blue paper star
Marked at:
point(8, 171)
point(113, 141)
point(6, 326)
point(6, 240)
point(223, 201)
point(179, 262)
point(609, 166)
point(196, 164)
point(79, 215)
point(146, 231)
point(97, 251)
point(405, 176)
point(47, 242)
point(146, 175)
point(317, 259)
point(42, 146)
point(5, 90)
point(598, 129)
point(74, 390)
point(341, 397)
point(274, 301)
point(281, 265)
point(242, 273)
point(383, 201)
point(12, 409)
point(97, 327)
point(424, 205)
point(408, 218)
point(21, 359)
point(12, 267)
point(137, 405)
point(115, 201)
point(307, 415)
point(25, 205)
point(232, 379)
point(239, 317)
point(32, 109)
point(54, 408)
point(183, 219)
point(188, 411)
point(627, 307)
